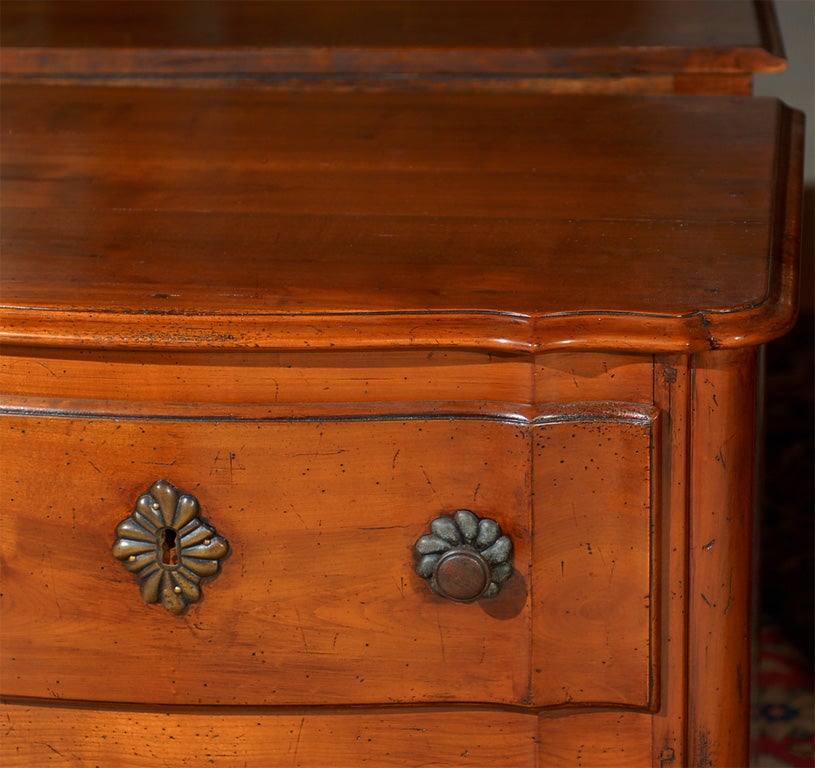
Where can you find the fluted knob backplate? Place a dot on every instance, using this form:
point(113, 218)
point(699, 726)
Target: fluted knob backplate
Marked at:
point(464, 557)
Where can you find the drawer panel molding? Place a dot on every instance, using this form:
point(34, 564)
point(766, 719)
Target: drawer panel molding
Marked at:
point(320, 597)
point(595, 577)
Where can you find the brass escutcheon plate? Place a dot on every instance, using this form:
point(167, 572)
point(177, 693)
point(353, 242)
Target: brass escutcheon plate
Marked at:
point(168, 547)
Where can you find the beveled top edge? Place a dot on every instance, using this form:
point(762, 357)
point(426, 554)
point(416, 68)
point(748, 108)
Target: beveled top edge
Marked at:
point(766, 317)
point(611, 38)
point(490, 332)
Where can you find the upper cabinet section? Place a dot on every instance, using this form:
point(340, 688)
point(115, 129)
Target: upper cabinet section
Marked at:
point(186, 218)
point(650, 44)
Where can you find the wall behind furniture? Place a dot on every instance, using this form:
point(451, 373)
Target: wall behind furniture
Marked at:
point(796, 87)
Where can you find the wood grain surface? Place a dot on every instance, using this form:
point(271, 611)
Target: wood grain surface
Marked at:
point(594, 563)
point(721, 556)
point(673, 396)
point(334, 303)
point(71, 735)
point(319, 599)
point(233, 219)
point(275, 384)
point(388, 38)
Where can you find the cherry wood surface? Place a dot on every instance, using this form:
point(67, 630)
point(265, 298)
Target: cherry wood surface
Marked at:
point(594, 514)
point(65, 735)
point(316, 601)
point(715, 387)
point(263, 384)
point(190, 219)
point(333, 316)
point(389, 38)
point(721, 496)
point(672, 395)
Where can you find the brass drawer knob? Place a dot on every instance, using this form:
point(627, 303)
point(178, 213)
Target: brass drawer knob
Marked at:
point(169, 548)
point(464, 557)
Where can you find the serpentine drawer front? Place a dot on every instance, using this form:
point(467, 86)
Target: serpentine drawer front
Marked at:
point(383, 428)
point(319, 595)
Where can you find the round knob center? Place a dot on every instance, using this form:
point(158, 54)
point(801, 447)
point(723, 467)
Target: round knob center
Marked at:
point(461, 575)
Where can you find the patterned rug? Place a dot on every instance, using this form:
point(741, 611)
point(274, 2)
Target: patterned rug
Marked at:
point(785, 706)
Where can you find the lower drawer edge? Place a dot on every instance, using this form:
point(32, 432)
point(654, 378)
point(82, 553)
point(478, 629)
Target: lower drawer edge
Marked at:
point(82, 736)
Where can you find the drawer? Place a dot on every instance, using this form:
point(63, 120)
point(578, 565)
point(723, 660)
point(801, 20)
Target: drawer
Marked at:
point(318, 600)
point(390, 738)
point(596, 566)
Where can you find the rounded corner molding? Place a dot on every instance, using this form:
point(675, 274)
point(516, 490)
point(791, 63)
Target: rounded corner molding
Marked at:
point(168, 547)
point(464, 557)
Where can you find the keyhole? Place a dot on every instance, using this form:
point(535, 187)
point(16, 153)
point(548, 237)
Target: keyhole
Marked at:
point(169, 550)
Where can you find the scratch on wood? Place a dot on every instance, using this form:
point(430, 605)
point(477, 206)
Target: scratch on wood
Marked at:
point(43, 365)
point(300, 518)
point(318, 452)
point(395, 457)
point(740, 682)
point(709, 545)
point(441, 638)
point(302, 631)
point(729, 593)
point(299, 735)
point(427, 478)
point(707, 602)
point(720, 458)
point(53, 580)
point(215, 461)
point(382, 527)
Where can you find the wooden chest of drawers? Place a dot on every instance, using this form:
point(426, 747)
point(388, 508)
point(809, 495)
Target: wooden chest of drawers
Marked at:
point(458, 396)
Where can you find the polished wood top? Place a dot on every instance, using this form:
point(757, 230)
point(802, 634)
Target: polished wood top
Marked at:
point(552, 37)
point(233, 218)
